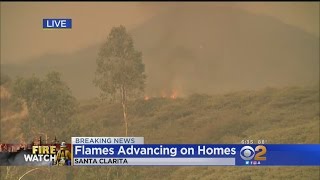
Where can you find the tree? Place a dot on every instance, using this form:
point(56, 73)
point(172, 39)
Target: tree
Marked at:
point(4, 79)
point(49, 102)
point(120, 70)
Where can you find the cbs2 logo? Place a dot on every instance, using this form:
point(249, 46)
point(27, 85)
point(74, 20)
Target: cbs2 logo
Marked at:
point(247, 153)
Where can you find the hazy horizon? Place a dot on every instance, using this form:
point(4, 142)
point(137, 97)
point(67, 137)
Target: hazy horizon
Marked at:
point(93, 21)
point(187, 47)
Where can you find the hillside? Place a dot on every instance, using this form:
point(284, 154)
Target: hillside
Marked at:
point(200, 48)
point(286, 115)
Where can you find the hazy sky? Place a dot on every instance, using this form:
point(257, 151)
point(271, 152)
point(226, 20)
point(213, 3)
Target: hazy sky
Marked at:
point(22, 36)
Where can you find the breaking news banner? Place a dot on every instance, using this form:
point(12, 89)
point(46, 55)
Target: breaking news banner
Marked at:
point(131, 151)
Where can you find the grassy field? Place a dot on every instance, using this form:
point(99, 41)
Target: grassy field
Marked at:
point(286, 115)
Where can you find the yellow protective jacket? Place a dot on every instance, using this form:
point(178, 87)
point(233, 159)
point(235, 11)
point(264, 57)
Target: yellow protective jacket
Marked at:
point(63, 153)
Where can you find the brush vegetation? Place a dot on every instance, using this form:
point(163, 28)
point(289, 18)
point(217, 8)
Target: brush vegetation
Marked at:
point(278, 115)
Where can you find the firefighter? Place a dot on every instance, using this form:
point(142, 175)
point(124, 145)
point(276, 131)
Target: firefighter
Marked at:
point(63, 156)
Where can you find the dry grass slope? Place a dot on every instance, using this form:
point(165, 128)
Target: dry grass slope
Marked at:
point(287, 115)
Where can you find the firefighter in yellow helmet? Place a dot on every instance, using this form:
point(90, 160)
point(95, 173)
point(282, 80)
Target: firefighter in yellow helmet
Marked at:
point(63, 156)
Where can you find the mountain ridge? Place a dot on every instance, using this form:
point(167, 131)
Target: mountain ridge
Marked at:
point(201, 50)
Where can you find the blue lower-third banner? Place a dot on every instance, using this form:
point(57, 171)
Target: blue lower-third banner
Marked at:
point(195, 154)
point(132, 151)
